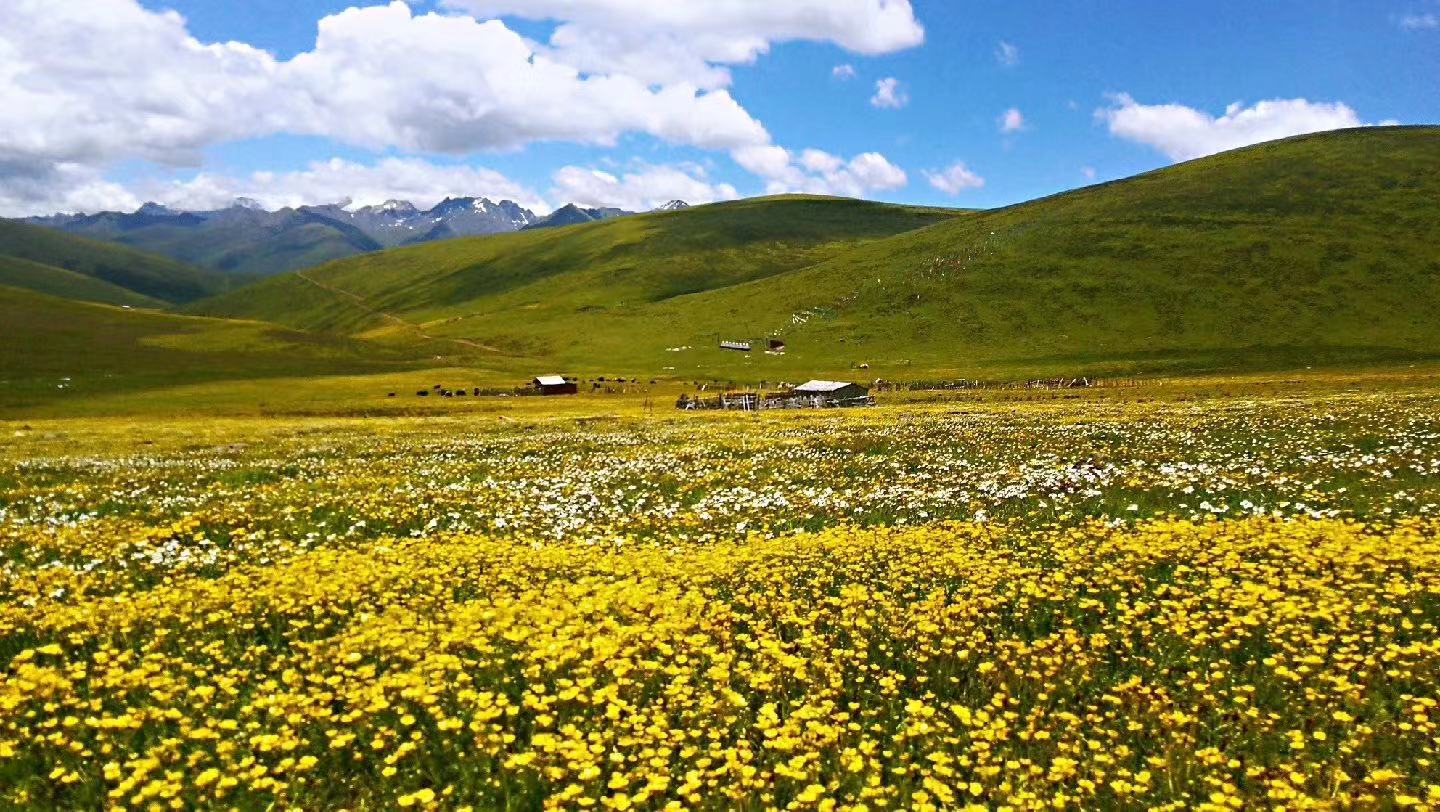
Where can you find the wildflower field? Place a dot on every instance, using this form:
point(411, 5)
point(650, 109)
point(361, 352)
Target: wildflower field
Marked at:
point(1162, 599)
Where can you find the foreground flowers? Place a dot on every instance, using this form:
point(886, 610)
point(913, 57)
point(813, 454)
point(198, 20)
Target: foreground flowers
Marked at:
point(1199, 664)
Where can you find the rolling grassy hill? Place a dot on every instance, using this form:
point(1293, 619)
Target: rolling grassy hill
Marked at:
point(1322, 249)
point(55, 348)
point(588, 271)
point(22, 273)
point(250, 243)
point(74, 267)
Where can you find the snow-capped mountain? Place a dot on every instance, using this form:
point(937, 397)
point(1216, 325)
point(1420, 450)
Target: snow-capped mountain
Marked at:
point(674, 205)
point(246, 238)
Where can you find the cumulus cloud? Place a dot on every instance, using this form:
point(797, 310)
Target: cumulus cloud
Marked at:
point(889, 94)
point(1420, 22)
point(817, 172)
point(94, 80)
point(1182, 133)
point(28, 188)
point(1088, 172)
point(1007, 54)
point(86, 83)
point(1011, 121)
point(660, 41)
point(955, 179)
point(843, 72)
point(640, 190)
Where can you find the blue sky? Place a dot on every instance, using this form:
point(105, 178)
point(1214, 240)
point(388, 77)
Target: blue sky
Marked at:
point(1170, 69)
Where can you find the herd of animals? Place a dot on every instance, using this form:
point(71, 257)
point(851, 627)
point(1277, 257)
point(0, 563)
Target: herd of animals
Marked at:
point(439, 390)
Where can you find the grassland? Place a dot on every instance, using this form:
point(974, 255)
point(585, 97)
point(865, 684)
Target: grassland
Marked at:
point(1206, 593)
point(64, 265)
point(67, 284)
point(1314, 250)
point(60, 351)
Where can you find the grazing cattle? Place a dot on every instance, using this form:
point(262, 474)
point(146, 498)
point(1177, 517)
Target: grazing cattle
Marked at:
point(391, 395)
point(460, 393)
point(476, 393)
point(424, 393)
point(437, 387)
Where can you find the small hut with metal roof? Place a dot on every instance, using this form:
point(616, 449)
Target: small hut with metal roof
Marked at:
point(554, 385)
point(832, 390)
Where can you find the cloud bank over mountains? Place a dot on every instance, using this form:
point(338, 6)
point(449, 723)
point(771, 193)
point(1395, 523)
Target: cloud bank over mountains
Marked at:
point(88, 83)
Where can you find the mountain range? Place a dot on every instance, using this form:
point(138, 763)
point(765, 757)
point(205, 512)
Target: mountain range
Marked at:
point(246, 239)
point(1311, 251)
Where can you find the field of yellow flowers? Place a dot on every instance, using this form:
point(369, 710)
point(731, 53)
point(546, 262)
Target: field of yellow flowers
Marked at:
point(1215, 603)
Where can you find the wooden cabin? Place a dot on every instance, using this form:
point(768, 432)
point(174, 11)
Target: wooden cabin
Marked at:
point(832, 391)
point(554, 385)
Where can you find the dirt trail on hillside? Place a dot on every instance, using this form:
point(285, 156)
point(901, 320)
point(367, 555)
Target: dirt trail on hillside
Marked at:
point(391, 317)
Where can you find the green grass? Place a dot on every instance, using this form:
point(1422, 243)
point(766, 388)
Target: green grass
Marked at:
point(22, 273)
point(1319, 250)
point(71, 354)
point(587, 270)
point(242, 249)
point(98, 271)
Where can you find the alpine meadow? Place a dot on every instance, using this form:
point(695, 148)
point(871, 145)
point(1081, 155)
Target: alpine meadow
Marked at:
point(771, 405)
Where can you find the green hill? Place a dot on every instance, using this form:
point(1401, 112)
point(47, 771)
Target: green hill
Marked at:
point(61, 348)
point(588, 270)
point(1322, 249)
point(74, 267)
point(253, 244)
point(22, 273)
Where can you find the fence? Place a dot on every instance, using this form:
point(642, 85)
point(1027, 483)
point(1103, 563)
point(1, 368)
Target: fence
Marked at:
point(756, 402)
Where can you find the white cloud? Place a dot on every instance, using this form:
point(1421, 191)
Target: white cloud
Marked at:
point(820, 173)
point(1183, 133)
point(28, 188)
point(660, 41)
point(889, 94)
point(1012, 121)
point(815, 160)
point(955, 179)
point(1007, 54)
point(452, 84)
point(1420, 22)
point(1088, 172)
point(94, 80)
point(640, 190)
point(843, 72)
point(86, 83)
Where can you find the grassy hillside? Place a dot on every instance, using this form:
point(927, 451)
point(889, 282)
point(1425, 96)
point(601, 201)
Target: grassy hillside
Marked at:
point(22, 273)
point(588, 270)
point(239, 247)
point(98, 271)
point(1322, 249)
point(54, 348)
